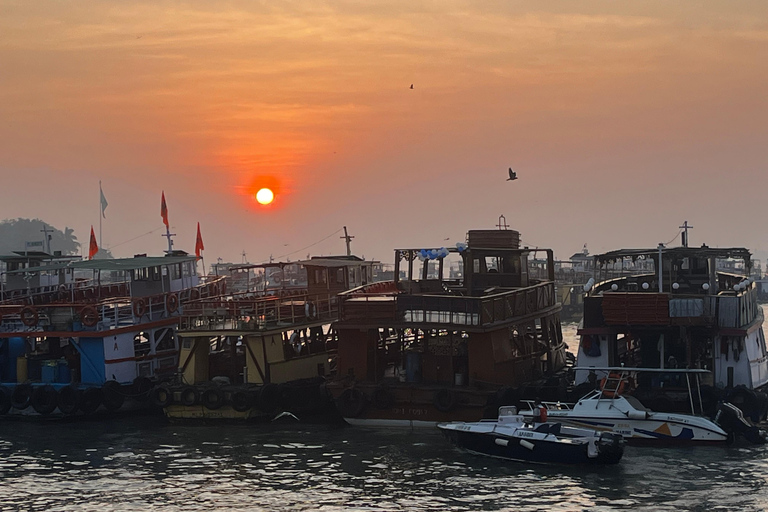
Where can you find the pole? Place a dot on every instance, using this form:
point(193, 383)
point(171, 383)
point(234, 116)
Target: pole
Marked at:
point(661, 269)
point(348, 240)
point(101, 213)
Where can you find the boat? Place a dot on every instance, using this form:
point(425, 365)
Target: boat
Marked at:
point(607, 408)
point(80, 337)
point(512, 437)
point(694, 307)
point(263, 353)
point(424, 349)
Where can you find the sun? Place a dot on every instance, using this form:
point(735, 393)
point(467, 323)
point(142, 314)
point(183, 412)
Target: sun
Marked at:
point(265, 196)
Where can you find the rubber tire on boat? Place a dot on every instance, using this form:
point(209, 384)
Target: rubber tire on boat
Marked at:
point(44, 399)
point(90, 400)
point(141, 388)
point(21, 396)
point(212, 398)
point(351, 403)
point(161, 396)
point(383, 398)
point(113, 395)
point(68, 400)
point(269, 397)
point(444, 400)
point(5, 401)
point(241, 400)
point(189, 396)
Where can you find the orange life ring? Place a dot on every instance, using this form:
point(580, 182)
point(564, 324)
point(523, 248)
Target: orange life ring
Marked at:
point(139, 307)
point(611, 393)
point(28, 316)
point(172, 302)
point(194, 294)
point(89, 316)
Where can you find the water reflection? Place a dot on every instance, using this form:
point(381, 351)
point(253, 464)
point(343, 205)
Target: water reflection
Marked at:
point(135, 464)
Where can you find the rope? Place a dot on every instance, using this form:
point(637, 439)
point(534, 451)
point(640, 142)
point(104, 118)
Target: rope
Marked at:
point(134, 238)
point(311, 245)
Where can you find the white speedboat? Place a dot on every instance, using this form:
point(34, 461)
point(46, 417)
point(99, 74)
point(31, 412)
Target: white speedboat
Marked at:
point(608, 409)
point(511, 437)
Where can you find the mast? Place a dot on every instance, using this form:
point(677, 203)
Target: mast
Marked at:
point(348, 239)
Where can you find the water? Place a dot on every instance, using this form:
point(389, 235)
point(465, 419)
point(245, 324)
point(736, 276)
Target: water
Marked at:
point(147, 463)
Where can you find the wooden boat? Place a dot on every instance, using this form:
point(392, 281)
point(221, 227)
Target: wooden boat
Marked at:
point(255, 354)
point(424, 349)
point(78, 337)
point(511, 437)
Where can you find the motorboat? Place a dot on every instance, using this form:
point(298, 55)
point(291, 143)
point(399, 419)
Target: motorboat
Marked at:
point(512, 437)
point(609, 409)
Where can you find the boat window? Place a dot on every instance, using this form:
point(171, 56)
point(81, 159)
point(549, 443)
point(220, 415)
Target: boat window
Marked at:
point(141, 346)
point(140, 274)
point(155, 273)
point(164, 340)
point(340, 276)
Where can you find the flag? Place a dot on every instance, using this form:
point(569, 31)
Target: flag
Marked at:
point(199, 247)
point(93, 248)
point(104, 202)
point(164, 211)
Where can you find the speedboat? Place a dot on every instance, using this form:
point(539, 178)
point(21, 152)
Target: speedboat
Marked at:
point(511, 437)
point(608, 409)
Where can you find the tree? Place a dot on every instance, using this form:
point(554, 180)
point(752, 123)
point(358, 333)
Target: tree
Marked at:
point(15, 234)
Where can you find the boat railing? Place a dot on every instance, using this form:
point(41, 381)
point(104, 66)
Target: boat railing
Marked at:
point(456, 310)
point(552, 406)
point(258, 313)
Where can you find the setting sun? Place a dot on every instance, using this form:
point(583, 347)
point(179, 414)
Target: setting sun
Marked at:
point(264, 196)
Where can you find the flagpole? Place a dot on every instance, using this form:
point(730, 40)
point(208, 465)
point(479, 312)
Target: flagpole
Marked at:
point(101, 211)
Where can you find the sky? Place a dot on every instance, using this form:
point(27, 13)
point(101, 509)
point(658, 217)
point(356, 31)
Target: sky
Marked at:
point(622, 120)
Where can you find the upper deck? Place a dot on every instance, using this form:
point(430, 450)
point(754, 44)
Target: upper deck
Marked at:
point(692, 286)
point(495, 287)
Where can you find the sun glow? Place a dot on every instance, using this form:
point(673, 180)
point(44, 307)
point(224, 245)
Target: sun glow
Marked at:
point(265, 196)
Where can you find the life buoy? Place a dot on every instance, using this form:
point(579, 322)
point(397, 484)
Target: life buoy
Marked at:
point(611, 393)
point(44, 399)
point(444, 400)
point(194, 294)
point(351, 403)
point(172, 302)
point(63, 292)
point(310, 310)
point(28, 316)
point(89, 316)
point(139, 307)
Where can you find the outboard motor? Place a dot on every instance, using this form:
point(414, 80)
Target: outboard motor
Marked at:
point(731, 419)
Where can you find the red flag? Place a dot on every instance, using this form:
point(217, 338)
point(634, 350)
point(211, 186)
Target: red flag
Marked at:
point(199, 242)
point(164, 211)
point(94, 247)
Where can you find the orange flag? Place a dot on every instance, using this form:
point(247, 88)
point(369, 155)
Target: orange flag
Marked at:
point(164, 211)
point(199, 247)
point(93, 248)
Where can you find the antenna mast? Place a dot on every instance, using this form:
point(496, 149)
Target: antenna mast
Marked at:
point(348, 239)
point(685, 227)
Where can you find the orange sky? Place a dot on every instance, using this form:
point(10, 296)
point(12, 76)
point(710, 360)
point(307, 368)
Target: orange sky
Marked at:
point(623, 119)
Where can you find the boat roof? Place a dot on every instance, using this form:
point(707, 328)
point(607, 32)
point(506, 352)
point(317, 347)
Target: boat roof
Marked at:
point(110, 264)
point(641, 370)
point(703, 251)
point(314, 261)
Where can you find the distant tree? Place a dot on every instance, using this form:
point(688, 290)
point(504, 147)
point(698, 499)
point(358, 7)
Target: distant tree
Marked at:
point(16, 233)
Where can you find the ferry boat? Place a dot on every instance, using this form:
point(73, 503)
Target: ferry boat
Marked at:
point(424, 349)
point(694, 308)
point(71, 345)
point(258, 354)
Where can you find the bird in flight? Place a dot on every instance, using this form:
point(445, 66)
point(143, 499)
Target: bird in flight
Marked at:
point(411, 86)
point(512, 175)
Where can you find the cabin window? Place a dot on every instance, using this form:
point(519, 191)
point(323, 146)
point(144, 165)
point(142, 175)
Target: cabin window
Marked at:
point(141, 346)
point(320, 276)
point(164, 340)
point(155, 273)
point(140, 274)
point(340, 276)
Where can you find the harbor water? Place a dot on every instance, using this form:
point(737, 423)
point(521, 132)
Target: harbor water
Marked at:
point(146, 463)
